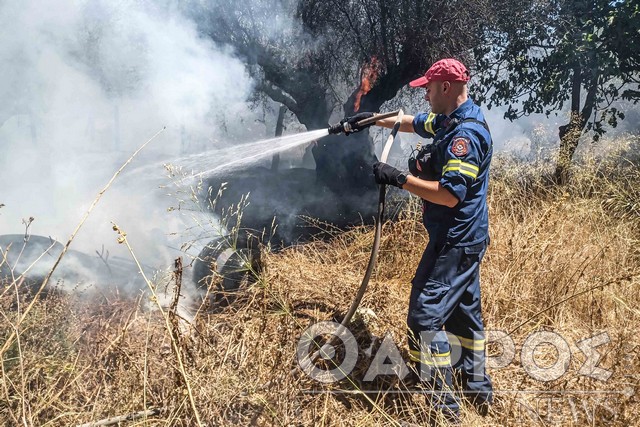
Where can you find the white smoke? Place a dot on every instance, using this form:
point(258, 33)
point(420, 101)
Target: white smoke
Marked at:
point(82, 85)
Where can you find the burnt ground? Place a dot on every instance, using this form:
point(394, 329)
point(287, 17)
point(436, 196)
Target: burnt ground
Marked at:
point(339, 194)
point(303, 206)
point(284, 207)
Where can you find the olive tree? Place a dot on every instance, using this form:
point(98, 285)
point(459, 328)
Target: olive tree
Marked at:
point(544, 54)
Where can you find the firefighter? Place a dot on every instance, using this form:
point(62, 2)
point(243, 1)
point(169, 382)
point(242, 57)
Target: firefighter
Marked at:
point(446, 332)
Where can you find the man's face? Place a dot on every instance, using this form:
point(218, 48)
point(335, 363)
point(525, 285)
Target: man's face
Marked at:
point(436, 95)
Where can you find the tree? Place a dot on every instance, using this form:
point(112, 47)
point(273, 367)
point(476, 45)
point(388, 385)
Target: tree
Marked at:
point(311, 56)
point(546, 53)
point(400, 40)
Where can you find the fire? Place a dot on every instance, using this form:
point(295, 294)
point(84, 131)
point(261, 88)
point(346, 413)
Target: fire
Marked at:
point(370, 73)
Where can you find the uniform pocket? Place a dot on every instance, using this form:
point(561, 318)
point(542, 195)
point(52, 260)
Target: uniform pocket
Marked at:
point(433, 301)
point(472, 256)
point(426, 306)
point(434, 292)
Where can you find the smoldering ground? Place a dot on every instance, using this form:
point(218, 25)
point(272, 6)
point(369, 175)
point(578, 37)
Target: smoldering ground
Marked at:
point(83, 85)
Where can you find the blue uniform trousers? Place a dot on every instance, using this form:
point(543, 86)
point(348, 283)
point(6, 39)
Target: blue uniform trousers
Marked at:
point(446, 333)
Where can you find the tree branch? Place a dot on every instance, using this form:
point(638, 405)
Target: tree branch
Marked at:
point(278, 95)
point(590, 100)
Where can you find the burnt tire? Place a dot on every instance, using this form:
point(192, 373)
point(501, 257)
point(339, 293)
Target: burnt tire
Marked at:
point(224, 270)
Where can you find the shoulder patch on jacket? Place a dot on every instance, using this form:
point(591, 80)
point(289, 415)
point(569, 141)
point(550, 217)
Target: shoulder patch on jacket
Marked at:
point(460, 146)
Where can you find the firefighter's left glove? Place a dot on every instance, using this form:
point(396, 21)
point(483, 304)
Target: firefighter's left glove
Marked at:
point(352, 123)
point(386, 174)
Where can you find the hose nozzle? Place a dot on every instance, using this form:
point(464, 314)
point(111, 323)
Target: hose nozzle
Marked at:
point(346, 128)
point(337, 128)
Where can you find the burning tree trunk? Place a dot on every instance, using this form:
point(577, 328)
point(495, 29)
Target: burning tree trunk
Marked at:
point(305, 63)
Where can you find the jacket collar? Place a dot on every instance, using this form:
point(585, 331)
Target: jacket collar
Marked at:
point(461, 111)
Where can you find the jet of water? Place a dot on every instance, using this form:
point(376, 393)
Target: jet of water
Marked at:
point(220, 160)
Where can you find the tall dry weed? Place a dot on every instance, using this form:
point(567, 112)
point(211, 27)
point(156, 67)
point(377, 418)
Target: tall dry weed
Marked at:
point(562, 260)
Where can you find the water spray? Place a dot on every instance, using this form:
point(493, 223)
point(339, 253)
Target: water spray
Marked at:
point(219, 161)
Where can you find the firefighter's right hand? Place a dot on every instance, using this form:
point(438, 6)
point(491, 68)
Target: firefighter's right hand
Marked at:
point(414, 166)
point(352, 122)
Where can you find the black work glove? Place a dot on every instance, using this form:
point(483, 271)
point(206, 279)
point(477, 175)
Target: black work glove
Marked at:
point(353, 120)
point(413, 166)
point(386, 174)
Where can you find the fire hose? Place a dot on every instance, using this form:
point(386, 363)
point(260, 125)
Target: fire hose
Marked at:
point(305, 364)
point(379, 216)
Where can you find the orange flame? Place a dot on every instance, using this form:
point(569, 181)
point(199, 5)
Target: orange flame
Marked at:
point(369, 75)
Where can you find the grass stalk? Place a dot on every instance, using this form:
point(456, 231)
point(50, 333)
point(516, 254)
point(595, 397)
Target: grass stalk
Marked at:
point(11, 337)
point(175, 345)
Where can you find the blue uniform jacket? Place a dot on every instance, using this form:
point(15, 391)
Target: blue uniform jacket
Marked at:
point(460, 161)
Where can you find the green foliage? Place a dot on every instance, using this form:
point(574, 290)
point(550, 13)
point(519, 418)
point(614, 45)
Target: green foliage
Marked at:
point(545, 53)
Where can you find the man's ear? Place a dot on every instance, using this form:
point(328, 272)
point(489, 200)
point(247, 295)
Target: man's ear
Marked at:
point(445, 87)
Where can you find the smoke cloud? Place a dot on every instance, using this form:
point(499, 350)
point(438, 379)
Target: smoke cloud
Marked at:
point(83, 84)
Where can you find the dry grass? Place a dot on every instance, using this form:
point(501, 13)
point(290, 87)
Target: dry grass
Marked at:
point(561, 259)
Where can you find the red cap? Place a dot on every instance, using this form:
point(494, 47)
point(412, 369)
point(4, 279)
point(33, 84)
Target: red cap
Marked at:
point(445, 70)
